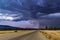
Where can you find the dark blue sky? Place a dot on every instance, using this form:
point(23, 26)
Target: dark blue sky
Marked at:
point(47, 12)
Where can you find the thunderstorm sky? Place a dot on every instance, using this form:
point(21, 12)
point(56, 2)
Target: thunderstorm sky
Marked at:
point(30, 13)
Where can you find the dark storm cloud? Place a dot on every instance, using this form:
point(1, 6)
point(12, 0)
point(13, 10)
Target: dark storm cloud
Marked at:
point(49, 22)
point(33, 6)
point(33, 9)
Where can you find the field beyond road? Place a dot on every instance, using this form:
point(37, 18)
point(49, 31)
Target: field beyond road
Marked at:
point(51, 34)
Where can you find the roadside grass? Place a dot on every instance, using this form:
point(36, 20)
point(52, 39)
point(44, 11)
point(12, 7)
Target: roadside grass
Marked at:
point(51, 34)
point(8, 31)
point(13, 31)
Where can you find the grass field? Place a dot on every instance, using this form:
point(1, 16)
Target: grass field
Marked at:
point(12, 31)
point(51, 34)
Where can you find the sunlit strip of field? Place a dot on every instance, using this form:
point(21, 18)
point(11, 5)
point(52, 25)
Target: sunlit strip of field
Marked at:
point(12, 31)
point(3, 32)
point(51, 34)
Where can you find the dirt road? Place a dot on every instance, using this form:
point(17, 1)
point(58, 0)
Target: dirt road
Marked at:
point(32, 35)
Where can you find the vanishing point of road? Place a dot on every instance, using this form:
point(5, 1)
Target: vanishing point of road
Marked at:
point(27, 35)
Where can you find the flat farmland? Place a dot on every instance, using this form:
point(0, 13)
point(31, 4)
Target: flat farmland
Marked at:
point(51, 34)
point(13, 31)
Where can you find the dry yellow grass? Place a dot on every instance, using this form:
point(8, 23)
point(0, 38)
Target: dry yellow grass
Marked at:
point(3, 32)
point(12, 31)
point(51, 34)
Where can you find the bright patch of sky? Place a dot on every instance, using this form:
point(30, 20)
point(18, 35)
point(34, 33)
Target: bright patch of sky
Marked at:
point(22, 24)
point(5, 17)
point(53, 15)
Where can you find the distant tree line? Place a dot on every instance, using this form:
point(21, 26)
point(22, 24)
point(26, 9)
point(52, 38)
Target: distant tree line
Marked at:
point(51, 28)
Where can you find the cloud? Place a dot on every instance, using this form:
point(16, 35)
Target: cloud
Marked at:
point(7, 15)
point(52, 15)
point(48, 12)
point(31, 7)
point(21, 24)
point(49, 22)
